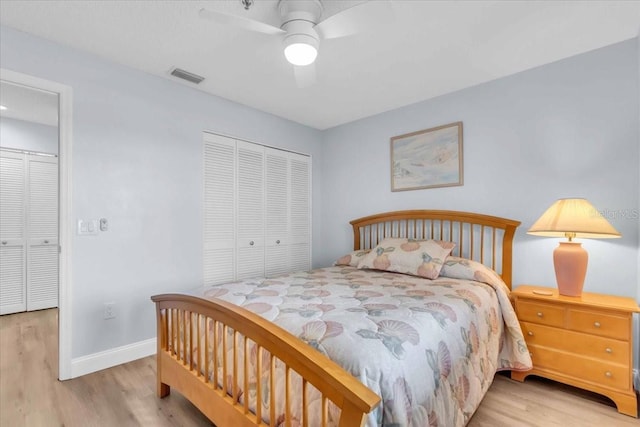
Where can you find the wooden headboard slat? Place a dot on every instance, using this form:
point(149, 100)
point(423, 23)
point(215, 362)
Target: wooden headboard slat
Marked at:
point(497, 254)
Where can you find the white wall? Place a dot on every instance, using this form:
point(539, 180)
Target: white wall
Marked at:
point(568, 129)
point(137, 162)
point(28, 136)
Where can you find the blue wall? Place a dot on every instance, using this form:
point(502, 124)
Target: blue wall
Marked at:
point(567, 129)
point(137, 161)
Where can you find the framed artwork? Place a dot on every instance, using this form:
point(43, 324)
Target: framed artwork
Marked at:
point(428, 158)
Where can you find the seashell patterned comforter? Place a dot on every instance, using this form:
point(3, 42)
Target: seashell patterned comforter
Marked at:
point(429, 348)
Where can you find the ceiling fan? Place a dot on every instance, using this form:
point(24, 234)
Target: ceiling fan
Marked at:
point(302, 28)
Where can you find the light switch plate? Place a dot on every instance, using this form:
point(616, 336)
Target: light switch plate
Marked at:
point(87, 227)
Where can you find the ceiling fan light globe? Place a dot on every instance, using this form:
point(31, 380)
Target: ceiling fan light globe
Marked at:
point(300, 54)
point(301, 47)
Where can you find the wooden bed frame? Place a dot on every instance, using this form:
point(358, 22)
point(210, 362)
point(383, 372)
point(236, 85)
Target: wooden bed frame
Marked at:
point(484, 238)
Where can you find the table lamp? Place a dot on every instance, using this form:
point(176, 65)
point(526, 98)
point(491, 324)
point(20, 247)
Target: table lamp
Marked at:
point(572, 218)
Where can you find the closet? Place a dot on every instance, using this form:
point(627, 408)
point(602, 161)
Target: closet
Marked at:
point(28, 231)
point(257, 210)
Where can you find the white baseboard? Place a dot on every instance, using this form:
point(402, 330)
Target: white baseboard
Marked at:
point(116, 356)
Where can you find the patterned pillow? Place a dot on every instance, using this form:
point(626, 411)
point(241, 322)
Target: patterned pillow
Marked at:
point(422, 258)
point(353, 258)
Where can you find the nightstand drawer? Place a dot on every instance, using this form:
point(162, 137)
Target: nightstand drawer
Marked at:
point(601, 373)
point(536, 312)
point(599, 323)
point(604, 349)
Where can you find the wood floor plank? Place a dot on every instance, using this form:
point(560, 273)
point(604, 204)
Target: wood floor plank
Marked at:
point(123, 396)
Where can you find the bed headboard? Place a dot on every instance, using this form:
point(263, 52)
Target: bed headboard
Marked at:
point(482, 238)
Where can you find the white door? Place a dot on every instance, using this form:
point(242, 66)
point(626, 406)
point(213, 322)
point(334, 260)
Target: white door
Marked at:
point(250, 218)
point(219, 209)
point(300, 213)
point(12, 233)
point(42, 230)
point(276, 212)
point(257, 209)
point(28, 232)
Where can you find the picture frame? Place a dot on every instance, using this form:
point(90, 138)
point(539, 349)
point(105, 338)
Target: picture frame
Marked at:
point(429, 158)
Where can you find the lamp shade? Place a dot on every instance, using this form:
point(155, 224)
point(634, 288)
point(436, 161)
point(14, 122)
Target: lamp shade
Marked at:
point(573, 218)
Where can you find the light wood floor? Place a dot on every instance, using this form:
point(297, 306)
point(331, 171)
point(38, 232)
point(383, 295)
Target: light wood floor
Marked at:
point(31, 396)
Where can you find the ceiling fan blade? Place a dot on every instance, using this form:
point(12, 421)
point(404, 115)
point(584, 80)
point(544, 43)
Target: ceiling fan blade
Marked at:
point(239, 21)
point(360, 18)
point(305, 75)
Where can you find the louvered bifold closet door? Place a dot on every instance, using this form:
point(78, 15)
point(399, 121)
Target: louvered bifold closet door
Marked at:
point(12, 233)
point(219, 209)
point(277, 192)
point(250, 208)
point(42, 228)
point(300, 212)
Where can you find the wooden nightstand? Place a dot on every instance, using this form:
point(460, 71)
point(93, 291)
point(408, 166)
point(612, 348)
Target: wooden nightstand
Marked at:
point(583, 341)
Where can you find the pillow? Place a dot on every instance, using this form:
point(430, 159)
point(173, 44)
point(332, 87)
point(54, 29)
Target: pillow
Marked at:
point(466, 269)
point(423, 258)
point(353, 258)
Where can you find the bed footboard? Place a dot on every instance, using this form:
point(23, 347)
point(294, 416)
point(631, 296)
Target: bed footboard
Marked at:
point(227, 361)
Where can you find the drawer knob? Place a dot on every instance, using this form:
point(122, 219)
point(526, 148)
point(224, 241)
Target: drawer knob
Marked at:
point(608, 374)
point(596, 324)
point(530, 333)
point(251, 243)
point(539, 314)
point(608, 350)
point(277, 242)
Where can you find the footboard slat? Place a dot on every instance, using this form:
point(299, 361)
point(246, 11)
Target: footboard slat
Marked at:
point(305, 410)
point(192, 364)
point(245, 368)
point(287, 397)
point(272, 386)
point(258, 384)
point(224, 381)
point(325, 410)
point(216, 340)
point(206, 349)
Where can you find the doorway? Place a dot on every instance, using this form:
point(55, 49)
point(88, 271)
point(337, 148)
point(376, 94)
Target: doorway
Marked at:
point(28, 199)
point(30, 87)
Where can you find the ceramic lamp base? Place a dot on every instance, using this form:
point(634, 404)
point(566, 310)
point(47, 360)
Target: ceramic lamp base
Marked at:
point(570, 262)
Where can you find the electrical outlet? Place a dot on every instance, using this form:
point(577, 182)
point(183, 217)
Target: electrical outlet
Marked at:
point(109, 310)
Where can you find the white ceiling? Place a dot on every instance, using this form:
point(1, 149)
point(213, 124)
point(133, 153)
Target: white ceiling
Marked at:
point(424, 49)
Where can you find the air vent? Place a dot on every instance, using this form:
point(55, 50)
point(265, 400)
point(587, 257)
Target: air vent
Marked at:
point(185, 75)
